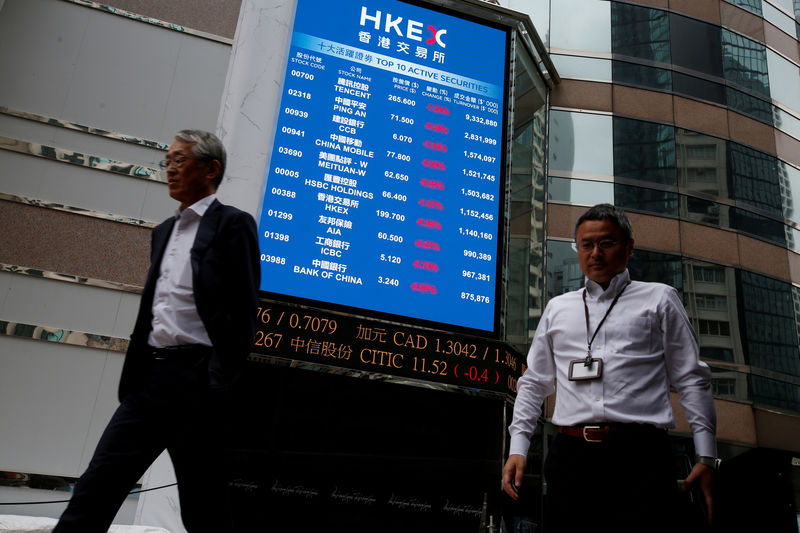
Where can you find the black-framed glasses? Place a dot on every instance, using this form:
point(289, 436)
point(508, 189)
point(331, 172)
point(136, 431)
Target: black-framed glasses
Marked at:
point(604, 245)
point(178, 161)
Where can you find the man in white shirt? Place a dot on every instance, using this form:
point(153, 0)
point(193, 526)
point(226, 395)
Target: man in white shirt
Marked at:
point(611, 351)
point(192, 335)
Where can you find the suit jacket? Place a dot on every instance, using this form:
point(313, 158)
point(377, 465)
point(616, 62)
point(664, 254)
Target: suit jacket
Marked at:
point(226, 273)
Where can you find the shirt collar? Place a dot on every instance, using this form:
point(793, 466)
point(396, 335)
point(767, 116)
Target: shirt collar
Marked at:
point(199, 208)
point(617, 283)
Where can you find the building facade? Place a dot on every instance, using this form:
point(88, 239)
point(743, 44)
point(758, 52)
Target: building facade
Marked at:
point(687, 114)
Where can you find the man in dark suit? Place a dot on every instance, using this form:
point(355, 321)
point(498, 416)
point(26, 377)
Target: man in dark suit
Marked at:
point(193, 332)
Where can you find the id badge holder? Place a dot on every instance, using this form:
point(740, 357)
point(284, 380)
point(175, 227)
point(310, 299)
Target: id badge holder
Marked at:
point(579, 371)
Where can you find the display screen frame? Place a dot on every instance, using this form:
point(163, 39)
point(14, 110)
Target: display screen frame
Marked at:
point(501, 213)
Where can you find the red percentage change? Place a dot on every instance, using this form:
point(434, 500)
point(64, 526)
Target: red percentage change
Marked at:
point(424, 288)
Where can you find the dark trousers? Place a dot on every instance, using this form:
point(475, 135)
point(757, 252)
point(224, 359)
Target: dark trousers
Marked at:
point(626, 484)
point(175, 412)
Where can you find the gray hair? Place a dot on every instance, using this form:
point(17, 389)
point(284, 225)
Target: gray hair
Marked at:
point(608, 212)
point(205, 147)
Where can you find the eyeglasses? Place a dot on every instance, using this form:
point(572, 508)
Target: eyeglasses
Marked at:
point(604, 245)
point(178, 161)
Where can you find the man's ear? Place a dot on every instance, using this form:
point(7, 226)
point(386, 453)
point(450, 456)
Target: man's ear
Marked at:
point(630, 248)
point(212, 170)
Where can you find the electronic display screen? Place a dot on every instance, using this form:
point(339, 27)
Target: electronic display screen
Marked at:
point(384, 190)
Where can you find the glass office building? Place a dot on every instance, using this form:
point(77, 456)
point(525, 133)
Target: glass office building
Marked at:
point(687, 114)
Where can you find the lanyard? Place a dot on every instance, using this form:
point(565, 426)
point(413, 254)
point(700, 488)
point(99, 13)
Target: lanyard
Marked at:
point(588, 361)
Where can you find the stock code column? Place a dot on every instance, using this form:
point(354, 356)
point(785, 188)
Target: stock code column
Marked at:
point(384, 189)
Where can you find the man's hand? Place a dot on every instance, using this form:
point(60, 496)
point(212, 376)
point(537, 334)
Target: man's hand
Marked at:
point(512, 475)
point(702, 476)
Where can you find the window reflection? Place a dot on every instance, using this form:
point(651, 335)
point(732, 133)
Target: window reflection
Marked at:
point(796, 305)
point(526, 213)
point(789, 180)
point(580, 25)
point(539, 11)
point(649, 200)
point(778, 18)
point(701, 163)
point(563, 271)
point(644, 151)
point(642, 76)
point(587, 68)
point(727, 383)
point(707, 56)
point(749, 105)
point(784, 80)
point(769, 326)
point(581, 192)
point(695, 45)
point(753, 6)
point(690, 169)
point(695, 87)
point(705, 212)
point(754, 178)
point(519, 264)
point(792, 238)
point(786, 121)
point(777, 393)
point(744, 62)
point(708, 291)
point(640, 32)
point(658, 267)
point(758, 226)
point(786, 4)
point(581, 142)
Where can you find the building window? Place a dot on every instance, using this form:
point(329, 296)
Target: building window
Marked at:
point(724, 386)
point(711, 302)
point(714, 327)
point(696, 45)
point(715, 352)
point(709, 274)
point(649, 200)
point(636, 75)
point(753, 6)
point(701, 175)
point(744, 62)
point(644, 151)
point(658, 267)
point(758, 226)
point(640, 32)
point(768, 323)
point(754, 178)
point(702, 151)
point(713, 63)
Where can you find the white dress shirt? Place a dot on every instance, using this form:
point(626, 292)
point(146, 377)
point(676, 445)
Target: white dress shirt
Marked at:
point(175, 317)
point(646, 344)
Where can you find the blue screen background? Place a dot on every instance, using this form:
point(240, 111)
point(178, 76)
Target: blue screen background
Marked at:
point(408, 222)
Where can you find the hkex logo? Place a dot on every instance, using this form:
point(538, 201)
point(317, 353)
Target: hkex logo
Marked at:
point(413, 28)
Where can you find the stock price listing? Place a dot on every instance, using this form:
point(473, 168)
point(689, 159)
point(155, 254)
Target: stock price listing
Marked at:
point(383, 189)
point(331, 339)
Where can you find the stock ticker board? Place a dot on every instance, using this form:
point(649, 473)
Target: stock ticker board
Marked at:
point(339, 340)
point(384, 190)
